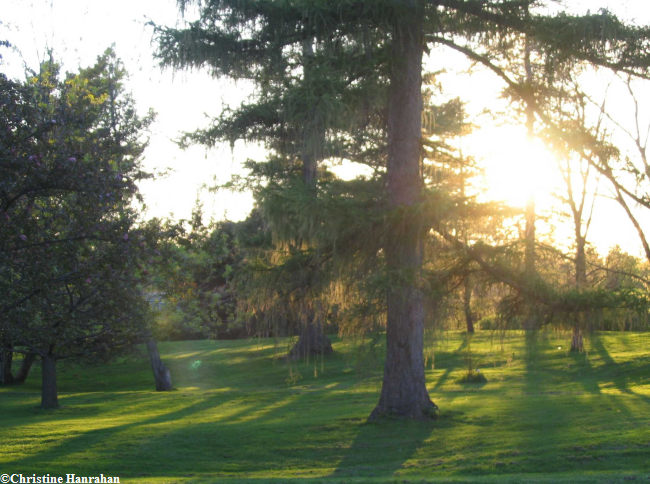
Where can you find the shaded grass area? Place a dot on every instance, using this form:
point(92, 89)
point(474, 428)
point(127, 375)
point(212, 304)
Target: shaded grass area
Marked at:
point(240, 412)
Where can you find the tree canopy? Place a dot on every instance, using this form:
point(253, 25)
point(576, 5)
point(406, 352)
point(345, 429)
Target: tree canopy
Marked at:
point(70, 247)
point(342, 57)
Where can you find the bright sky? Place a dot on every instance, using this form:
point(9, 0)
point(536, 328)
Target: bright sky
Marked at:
point(79, 30)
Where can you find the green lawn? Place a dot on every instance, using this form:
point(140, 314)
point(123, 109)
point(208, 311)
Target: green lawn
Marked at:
point(241, 413)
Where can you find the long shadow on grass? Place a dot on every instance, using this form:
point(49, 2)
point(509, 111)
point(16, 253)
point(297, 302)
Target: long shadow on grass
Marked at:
point(552, 419)
point(451, 365)
point(381, 449)
point(264, 431)
point(103, 437)
point(545, 419)
point(289, 433)
point(619, 373)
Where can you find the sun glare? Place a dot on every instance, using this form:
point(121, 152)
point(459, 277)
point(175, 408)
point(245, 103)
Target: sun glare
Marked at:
point(517, 167)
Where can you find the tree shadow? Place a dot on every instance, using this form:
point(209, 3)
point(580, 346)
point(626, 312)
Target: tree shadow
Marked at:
point(564, 390)
point(442, 379)
point(620, 374)
point(69, 446)
point(381, 448)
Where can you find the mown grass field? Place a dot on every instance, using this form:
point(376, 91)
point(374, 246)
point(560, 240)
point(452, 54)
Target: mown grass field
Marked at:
point(242, 413)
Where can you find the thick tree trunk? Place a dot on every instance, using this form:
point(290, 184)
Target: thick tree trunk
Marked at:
point(161, 373)
point(49, 392)
point(6, 358)
point(404, 391)
point(25, 366)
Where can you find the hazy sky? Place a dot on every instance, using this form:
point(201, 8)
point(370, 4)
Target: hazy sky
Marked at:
point(79, 30)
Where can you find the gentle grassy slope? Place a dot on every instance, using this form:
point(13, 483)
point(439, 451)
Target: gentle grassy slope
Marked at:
point(241, 413)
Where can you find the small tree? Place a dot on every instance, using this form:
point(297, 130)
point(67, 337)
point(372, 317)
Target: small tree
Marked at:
point(69, 244)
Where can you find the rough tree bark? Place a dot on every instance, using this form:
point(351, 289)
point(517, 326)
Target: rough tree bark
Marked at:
point(161, 373)
point(404, 391)
point(49, 392)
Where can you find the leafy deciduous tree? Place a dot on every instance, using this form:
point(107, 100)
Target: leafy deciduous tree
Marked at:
point(70, 162)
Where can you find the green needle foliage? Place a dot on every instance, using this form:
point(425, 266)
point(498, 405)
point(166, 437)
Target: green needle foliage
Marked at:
point(342, 80)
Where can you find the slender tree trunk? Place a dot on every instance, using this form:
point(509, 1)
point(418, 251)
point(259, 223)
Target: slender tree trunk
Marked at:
point(529, 254)
point(49, 392)
point(467, 304)
point(581, 263)
point(161, 373)
point(577, 343)
point(6, 358)
point(312, 340)
point(25, 366)
point(404, 391)
point(531, 321)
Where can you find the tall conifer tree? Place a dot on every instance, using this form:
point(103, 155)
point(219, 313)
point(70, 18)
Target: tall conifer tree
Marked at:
point(375, 60)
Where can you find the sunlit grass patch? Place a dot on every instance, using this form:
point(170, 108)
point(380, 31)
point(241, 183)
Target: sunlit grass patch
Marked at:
point(543, 415)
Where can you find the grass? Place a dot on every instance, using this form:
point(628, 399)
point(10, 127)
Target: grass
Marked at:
point(241, 413)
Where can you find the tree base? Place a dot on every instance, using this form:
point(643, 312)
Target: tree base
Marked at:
point(426, 411)
point(577, 341)
point(49, 392)
point(161, 374)
point(312, 342)
point(473, 376)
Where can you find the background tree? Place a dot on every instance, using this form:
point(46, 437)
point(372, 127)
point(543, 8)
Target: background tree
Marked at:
point(70, 247)
point(195, 278)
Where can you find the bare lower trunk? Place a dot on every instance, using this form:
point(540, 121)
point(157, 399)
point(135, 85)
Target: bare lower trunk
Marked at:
point(577, 343)
point(25, 366)
point(581, 263)
point(530, 322)
point(467, 305)
point(312, 342)
point(6, 357)
point(49, 392)
point(161, 373)
point(404, 391)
